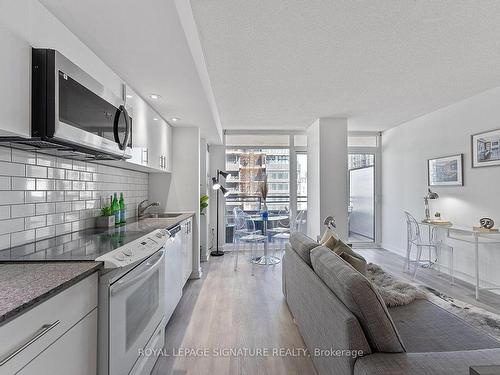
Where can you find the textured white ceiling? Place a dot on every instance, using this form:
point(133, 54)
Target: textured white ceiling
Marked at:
point(283, 63)
point(144, 43)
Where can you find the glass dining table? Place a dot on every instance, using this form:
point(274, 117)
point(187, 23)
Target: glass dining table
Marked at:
point(266, 259)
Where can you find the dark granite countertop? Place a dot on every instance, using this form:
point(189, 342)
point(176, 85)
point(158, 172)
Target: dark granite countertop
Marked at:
point(23, 285)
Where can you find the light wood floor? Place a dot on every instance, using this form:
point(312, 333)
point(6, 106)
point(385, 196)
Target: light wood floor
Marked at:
point(227, 309)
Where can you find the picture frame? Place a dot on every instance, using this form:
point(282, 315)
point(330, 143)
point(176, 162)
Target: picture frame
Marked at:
point(446, 171)
point(485, 148)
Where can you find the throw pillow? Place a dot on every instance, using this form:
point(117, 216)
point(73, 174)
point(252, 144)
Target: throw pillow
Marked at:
point(358, 264)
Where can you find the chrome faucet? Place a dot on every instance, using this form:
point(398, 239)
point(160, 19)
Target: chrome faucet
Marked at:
point(141, 209)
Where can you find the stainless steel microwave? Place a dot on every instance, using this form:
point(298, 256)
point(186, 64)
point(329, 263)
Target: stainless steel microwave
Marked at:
point(73, 112)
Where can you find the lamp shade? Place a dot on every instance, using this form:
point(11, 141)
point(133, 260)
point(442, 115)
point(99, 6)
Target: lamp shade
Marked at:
point(226, 175)
point(224, 191)
point(215, 184)
point(432, 195)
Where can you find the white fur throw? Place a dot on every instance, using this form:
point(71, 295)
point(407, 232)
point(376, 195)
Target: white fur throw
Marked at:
point(394, 292)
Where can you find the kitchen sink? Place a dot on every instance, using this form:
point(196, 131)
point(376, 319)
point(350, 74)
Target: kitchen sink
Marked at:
point(164, 215)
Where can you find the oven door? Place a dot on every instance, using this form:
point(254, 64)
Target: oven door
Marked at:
point(136, 307)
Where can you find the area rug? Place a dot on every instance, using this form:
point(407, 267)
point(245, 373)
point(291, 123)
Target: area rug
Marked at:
point(477, 317)
point(398, 292)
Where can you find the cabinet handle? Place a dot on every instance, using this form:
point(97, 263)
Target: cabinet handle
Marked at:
point(30, 340)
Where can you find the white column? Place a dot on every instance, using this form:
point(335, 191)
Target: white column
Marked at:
point(327, 175)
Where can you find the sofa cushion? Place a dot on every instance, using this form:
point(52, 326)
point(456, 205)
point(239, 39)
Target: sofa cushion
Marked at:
point(444, 363)
point(303, 245)
point(426, 327)
point(359, 296)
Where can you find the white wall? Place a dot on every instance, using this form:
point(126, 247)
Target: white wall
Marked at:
point(327, 175)
point(405, 150)
point(25, 24)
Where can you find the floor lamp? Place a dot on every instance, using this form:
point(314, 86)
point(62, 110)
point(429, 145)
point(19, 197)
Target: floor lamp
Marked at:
point(218, 187)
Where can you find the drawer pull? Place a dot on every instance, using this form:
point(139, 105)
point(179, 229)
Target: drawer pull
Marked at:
point(30, 340)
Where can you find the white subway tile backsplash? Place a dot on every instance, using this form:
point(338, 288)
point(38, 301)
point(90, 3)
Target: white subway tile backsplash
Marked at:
point(12, 169)
point(11, 225)
point(55, 173)
point(55, 196)
point(35, 196)
point(63, 207)
point(23, 237)
point(45, 208)
point(45, 232)
point(22, 210)
point(46, 160)
point(72, 175)
point(4, 212)
point(5, 153)
point(45, 184)
point(63, 229)
point(43, 196)
point(20, 156)
point(4, 183)
point(23, 183)
point(63, 185)
point(36, 171)
point(36, 221)
point(54, 219)
point(11, 197)
point(4, 241)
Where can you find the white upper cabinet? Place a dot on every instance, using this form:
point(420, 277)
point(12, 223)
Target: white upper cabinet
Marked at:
point(151, 135)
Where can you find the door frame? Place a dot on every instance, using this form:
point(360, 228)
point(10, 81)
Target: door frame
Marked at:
point(376, 151)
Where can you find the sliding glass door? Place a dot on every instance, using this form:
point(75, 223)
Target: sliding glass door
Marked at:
point(364, 186)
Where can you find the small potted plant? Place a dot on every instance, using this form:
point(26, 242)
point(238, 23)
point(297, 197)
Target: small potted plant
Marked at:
point(107, 219)
point(203, 204)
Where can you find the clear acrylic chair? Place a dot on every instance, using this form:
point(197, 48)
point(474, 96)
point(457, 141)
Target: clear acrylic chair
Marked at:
point(414, 239)
point(282, 225)
point(247, 234)
point(282, 238)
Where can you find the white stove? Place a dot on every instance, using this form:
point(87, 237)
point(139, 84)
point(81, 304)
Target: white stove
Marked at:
point(132, 304)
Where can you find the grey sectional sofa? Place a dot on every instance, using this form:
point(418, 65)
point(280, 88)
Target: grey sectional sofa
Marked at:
point(348, 329)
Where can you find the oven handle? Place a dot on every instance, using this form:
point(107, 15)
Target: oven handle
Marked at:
point(144, 271)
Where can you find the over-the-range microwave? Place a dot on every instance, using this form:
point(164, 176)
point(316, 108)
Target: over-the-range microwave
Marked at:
point(73, 114)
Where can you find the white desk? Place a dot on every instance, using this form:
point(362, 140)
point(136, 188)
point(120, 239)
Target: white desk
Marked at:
point(469, 235)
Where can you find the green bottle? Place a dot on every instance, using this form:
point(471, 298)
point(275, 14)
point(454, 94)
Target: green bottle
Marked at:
point(121, 203)
point(115, 207)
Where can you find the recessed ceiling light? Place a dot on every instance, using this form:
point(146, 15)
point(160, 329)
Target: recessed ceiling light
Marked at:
point(155, 119)
point(154, 96)
point(129, 96)
point(175, 119)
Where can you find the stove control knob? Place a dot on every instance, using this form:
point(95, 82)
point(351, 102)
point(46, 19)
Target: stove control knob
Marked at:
point(127, 252)
point(119, 256)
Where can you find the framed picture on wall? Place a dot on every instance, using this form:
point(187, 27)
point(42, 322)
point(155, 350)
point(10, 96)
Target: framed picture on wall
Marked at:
point(486, 149)
point(446, 171)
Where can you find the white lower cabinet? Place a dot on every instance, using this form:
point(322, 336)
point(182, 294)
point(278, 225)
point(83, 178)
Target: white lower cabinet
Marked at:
point(59, 336)
point(187, 255)
point(74, 353)
point(179, 265)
